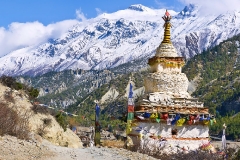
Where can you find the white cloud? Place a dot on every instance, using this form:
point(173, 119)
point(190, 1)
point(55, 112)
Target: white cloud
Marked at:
point(214, 6)
point(80, 15)
point(99, 11)
point(19, 35)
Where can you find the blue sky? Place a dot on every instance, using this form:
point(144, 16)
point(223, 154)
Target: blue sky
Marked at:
point(51, 11)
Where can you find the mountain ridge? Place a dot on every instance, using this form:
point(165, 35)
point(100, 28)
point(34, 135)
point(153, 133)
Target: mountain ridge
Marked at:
point(110, 40)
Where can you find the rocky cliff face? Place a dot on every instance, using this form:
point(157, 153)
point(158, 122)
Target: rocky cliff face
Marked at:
point(65, 88)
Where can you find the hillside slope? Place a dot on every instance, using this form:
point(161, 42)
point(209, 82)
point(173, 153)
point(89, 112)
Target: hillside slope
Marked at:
point(16, 107)
point(218, 71)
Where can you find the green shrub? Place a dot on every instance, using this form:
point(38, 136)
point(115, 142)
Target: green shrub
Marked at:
point(97, 138)
point(18, 86)
point(33, 93)
point(61, 119)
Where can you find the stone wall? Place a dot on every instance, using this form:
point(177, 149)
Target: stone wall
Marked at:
point(164, 130)
point(166, 82)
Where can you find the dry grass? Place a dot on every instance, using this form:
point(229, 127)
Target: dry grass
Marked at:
point(13, 122)
point(8, 97)
point(40, 109)
point(8, 119)
point(113, 143)
point(42, 130)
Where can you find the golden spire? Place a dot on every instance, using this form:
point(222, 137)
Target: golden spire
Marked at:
point(167, 25)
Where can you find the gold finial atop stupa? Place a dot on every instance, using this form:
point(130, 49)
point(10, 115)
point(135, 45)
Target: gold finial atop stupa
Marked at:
point(167, 25)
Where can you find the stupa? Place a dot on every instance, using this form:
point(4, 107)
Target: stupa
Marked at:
point(168, 118)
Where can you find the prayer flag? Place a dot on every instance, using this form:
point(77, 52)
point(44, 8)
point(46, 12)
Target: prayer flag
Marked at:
point(130, 115)
point(130, 100)
point(130, 109)
point(97, 110)
point(130, 92)
point(224, 145)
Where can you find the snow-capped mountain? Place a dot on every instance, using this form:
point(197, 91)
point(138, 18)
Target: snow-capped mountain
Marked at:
point(113, 39)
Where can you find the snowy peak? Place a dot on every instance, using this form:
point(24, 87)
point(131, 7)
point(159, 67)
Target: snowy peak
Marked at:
point(190, 10)
point(139, 7)
point(110, 40)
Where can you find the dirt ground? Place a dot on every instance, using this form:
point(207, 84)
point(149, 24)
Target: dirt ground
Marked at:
point(12, 148)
